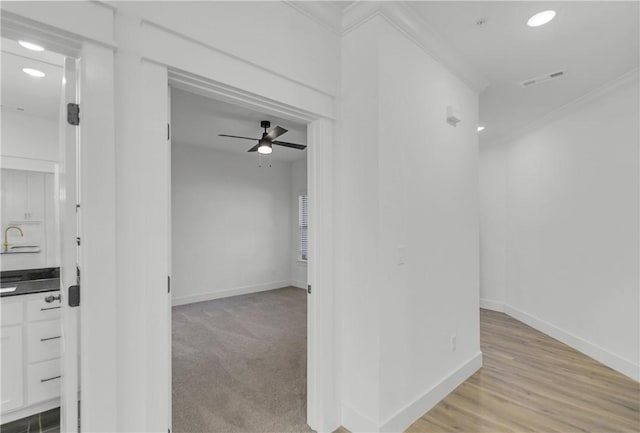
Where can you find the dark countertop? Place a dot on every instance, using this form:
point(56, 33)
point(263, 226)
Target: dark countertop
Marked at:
point(30, 281)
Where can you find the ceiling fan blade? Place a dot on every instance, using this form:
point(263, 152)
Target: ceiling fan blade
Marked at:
point(254, 148)
point(235, 136)
point(276, 132)
point(291, 145)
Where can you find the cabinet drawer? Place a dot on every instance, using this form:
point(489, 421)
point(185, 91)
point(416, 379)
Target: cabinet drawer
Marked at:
point(11, 312)
point(43, 381)
point(43, 340)
point(39, 309)
point(12, 377)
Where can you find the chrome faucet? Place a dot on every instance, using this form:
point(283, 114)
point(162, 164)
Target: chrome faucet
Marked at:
point(6, 243)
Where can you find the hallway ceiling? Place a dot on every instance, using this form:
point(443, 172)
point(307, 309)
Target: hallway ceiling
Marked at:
point(592, 42)
point(197, 121)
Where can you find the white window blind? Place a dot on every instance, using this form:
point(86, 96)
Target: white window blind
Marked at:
point(303, 223)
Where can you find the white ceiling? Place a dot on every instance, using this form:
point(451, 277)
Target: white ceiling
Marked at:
point(197, 120)
point(594, 42)
point(31, 95)
point(341, 4)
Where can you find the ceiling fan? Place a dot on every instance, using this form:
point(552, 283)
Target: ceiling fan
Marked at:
point(265, 144)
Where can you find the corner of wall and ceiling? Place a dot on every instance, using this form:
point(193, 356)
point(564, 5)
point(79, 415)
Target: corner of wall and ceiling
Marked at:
point(586, 99)
point(323, 13)
point(403, 17)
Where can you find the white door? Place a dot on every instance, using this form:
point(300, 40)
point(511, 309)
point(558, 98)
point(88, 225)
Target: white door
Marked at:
point(69, 274)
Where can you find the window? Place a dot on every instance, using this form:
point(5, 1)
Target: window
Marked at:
point(303, 222)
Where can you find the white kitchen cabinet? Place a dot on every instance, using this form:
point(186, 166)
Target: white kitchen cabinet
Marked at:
point(31, 350)
point(43, 381)
point(23, 196)
point(14, 195)
point(35, 196)
point(12, 393)
point(43, 340)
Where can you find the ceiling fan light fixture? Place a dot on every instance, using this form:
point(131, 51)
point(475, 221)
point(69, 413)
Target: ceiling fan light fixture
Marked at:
point(265, 147)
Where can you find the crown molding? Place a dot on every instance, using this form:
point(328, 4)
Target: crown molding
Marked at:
point(323, 13)
point(582, 101)
point(403, 17)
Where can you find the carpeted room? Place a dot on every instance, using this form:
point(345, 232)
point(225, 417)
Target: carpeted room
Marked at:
point(239, 316)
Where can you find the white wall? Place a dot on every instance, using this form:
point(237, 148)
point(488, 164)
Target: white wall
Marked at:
point(493, 227)
point(237, 28)
point(570, 253)
point(26, 136)
point(31, 143)
point(209, 40)
point(428, 211)
point(356, 220)
point(231, 224)
point(298, 188)
point(409, 181)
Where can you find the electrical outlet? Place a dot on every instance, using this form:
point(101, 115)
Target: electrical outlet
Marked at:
point(454, 343)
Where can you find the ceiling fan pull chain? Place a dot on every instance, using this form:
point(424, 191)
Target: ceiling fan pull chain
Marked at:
point(269, 160)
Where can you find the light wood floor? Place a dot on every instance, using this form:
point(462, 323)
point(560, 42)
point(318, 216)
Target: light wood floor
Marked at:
point(533, 383)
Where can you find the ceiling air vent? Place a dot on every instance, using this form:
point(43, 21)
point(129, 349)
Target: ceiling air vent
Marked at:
point(541, 79)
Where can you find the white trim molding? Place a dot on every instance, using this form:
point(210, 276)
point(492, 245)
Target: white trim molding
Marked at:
point(219, 294)
point(624, 366)
point(492, 305)
point(357, 422)
point(423, 403)
point(324, 13)
point(406, 416)
point(584, 100)
point(299, 284)
point(29, 164)
point(402, 15)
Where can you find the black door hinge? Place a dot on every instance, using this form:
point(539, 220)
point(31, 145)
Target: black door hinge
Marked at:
point(309, 288)
point(73, 113)
point(168, 283)
point(168, 131)
point(74, 296)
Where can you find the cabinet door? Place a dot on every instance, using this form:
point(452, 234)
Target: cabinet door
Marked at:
point(14, 196)
point(35, 196)
point(11, 393)
point(43, 381)
point(43, 340)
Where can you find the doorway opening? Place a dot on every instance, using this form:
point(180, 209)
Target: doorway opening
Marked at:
point(239, 251)
point(39, 252)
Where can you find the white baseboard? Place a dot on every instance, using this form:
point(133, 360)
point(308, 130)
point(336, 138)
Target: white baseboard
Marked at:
point(406, 416)
point(299, 284)
point(355, 422)
point(29, 410)
point(609, 359)
point(209, 296)
point(489, 304)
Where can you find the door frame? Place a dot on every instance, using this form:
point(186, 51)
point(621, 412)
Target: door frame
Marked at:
point(94, 81)
point(113, 401)
point(322, 401)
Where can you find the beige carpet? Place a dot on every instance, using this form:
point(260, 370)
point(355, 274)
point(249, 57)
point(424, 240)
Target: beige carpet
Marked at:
point(240, 364)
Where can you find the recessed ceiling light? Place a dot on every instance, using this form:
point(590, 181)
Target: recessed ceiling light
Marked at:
point(480, 128)
point(31, 46)
point(33, 72)
point(541, 18)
